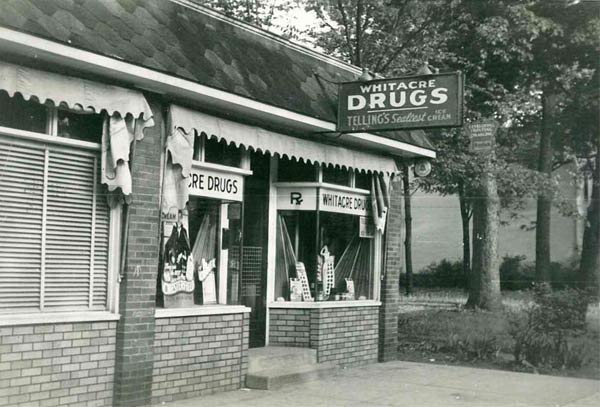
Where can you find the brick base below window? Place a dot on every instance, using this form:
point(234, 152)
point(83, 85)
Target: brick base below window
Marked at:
point(199, 355)
point(64, 364)
point(347, 335)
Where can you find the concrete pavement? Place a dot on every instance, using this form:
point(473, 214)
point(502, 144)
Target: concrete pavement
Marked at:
point(416, 384)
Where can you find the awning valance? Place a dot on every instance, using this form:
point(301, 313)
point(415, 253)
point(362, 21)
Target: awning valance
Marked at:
point(266, 141)
point(128, 114)
point(75, 93)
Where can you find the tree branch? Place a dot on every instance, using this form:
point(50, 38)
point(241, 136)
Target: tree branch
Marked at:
point(409, 38)
point(346, 29)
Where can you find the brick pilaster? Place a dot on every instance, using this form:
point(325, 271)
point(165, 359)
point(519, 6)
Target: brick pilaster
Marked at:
point(135, 330)
point(390, 286)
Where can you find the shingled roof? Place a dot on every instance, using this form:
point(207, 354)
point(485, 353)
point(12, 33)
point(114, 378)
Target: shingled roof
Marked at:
point(195, 45)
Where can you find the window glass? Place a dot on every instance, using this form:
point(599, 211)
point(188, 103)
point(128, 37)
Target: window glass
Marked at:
point(335, 175)
point(201, 259)
point(21, 114)
point(362, 180)
point(219, 152)
point(342, 269)
point(295, 171)
point(80, 126)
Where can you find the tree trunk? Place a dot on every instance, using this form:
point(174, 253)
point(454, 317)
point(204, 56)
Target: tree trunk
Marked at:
point(408, 226)
point(544, 200)
point(590, 250)
point(465, 217)
point(358, 43)
point(484, 281)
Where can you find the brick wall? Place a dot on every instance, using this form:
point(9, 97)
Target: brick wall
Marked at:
point(289, 327)
point(345, 335)
point(64, 364)
point(390, 286)
point(199, 355)
point(135, 332)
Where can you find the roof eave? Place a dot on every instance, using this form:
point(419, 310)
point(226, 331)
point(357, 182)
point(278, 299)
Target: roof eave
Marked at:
point(20, 43)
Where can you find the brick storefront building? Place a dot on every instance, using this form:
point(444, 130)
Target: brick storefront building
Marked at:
point(166, 185)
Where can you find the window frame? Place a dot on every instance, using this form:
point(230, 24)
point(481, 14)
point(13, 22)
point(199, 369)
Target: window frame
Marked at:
point(111, 308)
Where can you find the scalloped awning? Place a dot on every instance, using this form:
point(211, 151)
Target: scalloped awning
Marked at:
point(74, 93)
point(128, 114)
point(258, 139)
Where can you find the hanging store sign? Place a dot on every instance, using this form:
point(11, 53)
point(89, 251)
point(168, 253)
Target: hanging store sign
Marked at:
point(214, 183)
point(415, 102)
point(325, 198)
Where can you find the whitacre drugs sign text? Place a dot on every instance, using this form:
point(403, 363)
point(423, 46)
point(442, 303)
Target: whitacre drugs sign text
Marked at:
point(414, 102)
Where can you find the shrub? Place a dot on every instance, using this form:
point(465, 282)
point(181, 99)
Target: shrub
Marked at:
point(514, 275)
point(550, 333)
point(467, 335)
point(445, 274)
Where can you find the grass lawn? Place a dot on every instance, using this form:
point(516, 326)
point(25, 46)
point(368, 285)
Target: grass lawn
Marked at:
point(435, 328)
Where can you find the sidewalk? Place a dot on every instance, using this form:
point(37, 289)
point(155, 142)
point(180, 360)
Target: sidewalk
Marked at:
point(416, 384)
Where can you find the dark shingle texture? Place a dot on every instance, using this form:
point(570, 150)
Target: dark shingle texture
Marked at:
point(171, 38)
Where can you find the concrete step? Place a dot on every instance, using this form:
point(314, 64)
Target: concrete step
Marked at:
point(274, 378)
point(273, 357)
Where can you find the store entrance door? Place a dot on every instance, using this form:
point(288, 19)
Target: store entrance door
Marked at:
point(253, 285)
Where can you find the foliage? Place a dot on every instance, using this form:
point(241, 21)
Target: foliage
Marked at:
point(476, 338)
point(551, 332)
point(515, 274)
point(445, 274)
point(261, 13)
point(466, 335)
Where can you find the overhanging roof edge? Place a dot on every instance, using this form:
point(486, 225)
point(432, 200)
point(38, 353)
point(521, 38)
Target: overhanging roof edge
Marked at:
point(25, 44)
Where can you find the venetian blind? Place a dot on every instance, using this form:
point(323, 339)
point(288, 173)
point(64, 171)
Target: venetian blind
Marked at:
point(53, 228)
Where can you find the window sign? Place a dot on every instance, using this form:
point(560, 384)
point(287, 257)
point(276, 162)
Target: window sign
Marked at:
point(297, 198)
point(347, 202)
point(414, 102)
point(216, 183)
point(327, 198)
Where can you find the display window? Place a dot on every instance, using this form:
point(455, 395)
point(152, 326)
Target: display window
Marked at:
point(201, 254)
point(324, 240)
point(54, 220)
point(202, 243)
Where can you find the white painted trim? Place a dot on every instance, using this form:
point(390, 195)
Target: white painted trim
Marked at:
point(223, 263)
point(325, 304)
point(391, 144)
point(30, 135)
point(323, 185)
point(56, 318)
point(271, 239)
point(376, 247)
point(49, 51)
point(221, 168)
point(114, 258)
point(200, 310)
